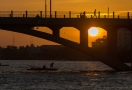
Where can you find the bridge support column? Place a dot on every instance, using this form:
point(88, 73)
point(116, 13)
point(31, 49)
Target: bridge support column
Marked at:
point(56, 30)
point(83, 36)
point(112, 42)
point(131, 49)
point(130, 61)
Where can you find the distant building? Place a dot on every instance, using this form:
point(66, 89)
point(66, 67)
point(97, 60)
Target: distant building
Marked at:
point(124, 39)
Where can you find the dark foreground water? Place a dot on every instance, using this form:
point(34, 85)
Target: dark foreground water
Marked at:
point(71, 75)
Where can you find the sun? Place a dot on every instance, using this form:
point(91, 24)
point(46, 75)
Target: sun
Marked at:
point(93, 31)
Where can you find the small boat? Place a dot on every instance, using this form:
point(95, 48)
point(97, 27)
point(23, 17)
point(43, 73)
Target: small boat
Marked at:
point(46, 69)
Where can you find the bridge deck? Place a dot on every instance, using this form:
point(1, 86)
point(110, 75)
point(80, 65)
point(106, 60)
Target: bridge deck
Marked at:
point(98, 22)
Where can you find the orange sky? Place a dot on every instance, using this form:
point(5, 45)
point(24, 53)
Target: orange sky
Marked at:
point(6, 37)
point(73, 5)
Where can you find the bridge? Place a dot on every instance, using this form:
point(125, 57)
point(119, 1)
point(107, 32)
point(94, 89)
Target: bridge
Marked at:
point(25, 21)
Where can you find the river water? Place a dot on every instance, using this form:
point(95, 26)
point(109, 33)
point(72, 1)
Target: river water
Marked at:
point(71, 75)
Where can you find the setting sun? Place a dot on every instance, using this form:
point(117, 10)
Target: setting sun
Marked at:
point(93, 31)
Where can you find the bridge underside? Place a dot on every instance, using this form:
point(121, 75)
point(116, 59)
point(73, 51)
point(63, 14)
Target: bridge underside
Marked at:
point(111, 62)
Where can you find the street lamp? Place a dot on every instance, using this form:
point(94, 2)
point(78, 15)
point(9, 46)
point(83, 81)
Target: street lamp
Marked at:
point(50, 8)
point(45, 9)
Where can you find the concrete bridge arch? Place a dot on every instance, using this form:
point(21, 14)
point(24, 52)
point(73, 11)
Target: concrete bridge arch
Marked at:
point(111, 62)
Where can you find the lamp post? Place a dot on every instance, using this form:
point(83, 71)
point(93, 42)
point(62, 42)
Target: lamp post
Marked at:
point(108, 12)
point(45, 9)
point(50, 8)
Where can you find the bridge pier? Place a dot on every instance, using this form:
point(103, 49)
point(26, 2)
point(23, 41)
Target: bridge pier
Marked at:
point(130, 28)
point(83, 35)
point(131, 49)
point(112, 42)
point(56, 30)
point(84, 38)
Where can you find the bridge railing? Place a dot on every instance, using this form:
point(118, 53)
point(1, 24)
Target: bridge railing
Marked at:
point(66, 14)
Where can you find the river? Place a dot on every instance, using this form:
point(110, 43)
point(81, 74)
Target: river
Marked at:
point(71, 75)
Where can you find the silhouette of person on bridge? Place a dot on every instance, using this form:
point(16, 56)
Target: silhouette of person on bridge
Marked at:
point(83, 15)
point(95, 13)
point(37, 17)
point(80, 15)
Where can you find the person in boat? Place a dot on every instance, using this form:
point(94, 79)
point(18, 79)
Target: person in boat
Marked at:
point(44, 66)
point(51, 65)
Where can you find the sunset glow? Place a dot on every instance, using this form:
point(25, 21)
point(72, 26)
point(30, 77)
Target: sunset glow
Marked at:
point(93, 31)
point(75, 6)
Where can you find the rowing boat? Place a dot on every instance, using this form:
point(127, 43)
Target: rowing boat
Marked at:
point(38, 69)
